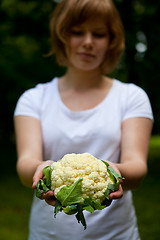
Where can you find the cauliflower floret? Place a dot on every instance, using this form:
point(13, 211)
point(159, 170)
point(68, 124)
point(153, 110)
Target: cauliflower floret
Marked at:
point(73, 166)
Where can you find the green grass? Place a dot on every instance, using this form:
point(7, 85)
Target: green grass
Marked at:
point(15, 202)
point(147, 197)
point(146, 201)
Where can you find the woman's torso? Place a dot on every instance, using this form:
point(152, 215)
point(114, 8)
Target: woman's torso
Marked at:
point(97, 131)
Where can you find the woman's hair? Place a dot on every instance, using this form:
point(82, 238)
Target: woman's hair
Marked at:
point(69, 13)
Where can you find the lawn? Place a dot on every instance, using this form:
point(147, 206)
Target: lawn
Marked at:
point(14, 210)
point(147, 197)
point(15, 202)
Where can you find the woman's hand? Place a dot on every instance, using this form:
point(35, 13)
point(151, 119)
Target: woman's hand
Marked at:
point(49, 196)
point(119, 193)
point(39, 172)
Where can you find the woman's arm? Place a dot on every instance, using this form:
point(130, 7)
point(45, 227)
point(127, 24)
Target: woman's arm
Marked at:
point(29, 148)
point(134, 150)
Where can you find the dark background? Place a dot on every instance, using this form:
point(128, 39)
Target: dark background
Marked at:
point(24, 41)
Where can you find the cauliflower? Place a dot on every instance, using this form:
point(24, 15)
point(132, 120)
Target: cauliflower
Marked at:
point(80, 182)
point(72, 167)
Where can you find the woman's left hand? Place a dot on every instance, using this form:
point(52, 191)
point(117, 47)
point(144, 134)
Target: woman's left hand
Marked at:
point(49, 198)
point(119, 193)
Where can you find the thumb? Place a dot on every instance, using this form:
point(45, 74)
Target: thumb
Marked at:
point(39, 172)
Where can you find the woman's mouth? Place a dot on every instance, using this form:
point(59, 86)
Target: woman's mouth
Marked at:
point(86, 56)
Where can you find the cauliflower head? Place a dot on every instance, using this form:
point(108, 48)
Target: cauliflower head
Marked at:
point(73, 167)
point(80, 182)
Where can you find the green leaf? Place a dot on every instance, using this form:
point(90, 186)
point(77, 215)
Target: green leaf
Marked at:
point(58, 207)
point(47, 176)
point(44, 185)
point(111, 188)
point(97, 205)
point(69, 195)
point(71, 209)
point(90, 205)
point(89, 208)
point(115, 177)
point(114, 173)
point(41, 188)
point(87, 205)
point(80, 217)
point(106, 163)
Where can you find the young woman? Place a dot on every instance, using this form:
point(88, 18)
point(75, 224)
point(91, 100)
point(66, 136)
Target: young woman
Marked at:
point(84, 111)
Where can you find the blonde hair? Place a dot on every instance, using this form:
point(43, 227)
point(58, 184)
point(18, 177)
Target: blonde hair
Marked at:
point(69, 13)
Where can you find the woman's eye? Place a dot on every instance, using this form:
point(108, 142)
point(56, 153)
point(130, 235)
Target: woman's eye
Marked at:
point(77, 32)
point(99, 35)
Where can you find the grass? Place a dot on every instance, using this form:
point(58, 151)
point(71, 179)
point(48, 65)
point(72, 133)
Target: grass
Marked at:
point(146, 201)
point(14, 210)
point(15, 202)
point(147, 197)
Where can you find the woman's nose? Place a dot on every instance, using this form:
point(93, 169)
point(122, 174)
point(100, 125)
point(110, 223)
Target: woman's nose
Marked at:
point(88, 39)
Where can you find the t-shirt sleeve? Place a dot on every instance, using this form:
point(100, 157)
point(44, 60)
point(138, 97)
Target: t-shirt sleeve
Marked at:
point(29, 103)
point(137, 103)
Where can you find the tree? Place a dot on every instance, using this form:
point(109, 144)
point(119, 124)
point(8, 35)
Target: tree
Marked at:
point(141, 59)
point(24, 40)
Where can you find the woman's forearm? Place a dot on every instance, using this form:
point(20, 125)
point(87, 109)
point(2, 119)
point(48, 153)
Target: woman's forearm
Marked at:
point(133, 172)
point(134, 151)
point(26, 169)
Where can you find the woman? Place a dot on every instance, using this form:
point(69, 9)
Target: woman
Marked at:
point(84, 111)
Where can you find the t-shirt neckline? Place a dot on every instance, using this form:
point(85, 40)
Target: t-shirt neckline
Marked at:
point(87, 111)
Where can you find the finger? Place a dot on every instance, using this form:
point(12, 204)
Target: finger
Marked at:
point(51, 201)
point(38, 175)
point(39, 172)
point(50, 198)
point(48, 195)
point(117, 194)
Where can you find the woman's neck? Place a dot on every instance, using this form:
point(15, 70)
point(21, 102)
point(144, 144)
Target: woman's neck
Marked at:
point(87, 89)
point(82, 80)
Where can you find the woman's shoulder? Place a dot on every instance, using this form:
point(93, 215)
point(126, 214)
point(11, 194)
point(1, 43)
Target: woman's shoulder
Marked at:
point(126, 85)
point(40, 89)
point(129, 90)
point(46, 86)
point(32, 100)
point(134, 99)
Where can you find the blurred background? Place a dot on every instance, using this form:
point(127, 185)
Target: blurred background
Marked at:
point(24, 42)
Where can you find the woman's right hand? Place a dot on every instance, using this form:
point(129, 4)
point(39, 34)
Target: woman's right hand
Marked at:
point(49, 196)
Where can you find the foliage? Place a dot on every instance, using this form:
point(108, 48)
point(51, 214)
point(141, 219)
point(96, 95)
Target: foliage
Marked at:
point(142, 48)
point(24, 42)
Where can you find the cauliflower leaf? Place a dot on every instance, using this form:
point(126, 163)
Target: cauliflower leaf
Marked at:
point(80, 217)
point(70, 194)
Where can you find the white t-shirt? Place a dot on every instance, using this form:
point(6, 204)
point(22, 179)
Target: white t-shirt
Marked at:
point(96, 131)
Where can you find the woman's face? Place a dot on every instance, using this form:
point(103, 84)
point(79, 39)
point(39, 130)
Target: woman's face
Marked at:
point(87, 45)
